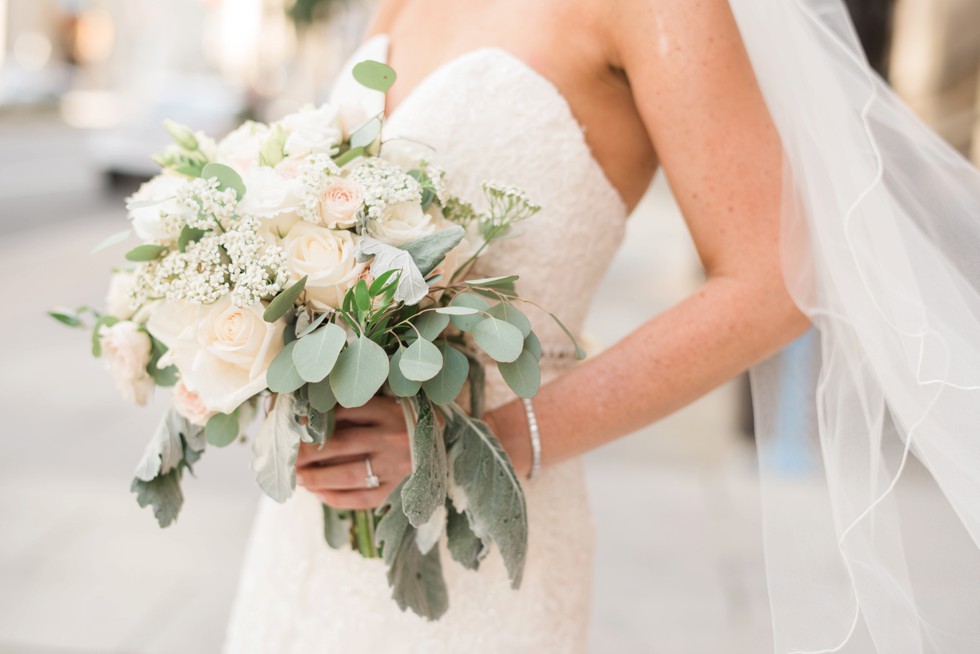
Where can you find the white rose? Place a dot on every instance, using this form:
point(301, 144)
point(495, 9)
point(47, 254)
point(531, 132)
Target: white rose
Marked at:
point(221, 351)
point(326, 258)
point(401, 223)
point(340, 202)
point(312, 130)
point(152, 205)
point(275, 229)
point(119, 301)
point(240, 148)
point(268, 194)
point(188, 404)
point(126, 349)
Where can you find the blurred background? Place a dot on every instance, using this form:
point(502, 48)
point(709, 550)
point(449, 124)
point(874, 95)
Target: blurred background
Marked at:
point(84, 87)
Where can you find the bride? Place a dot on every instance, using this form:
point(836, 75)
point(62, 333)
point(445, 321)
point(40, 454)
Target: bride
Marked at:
point(579, 103)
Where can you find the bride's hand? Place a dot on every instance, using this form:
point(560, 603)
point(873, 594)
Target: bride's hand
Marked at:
point(337, 472)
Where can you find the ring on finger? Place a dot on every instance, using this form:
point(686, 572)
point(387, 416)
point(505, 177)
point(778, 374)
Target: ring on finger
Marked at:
point(371, 480)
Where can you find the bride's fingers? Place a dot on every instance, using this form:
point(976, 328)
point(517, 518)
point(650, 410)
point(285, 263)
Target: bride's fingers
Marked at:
point(352, 442)
point(380, 411)
point(353, 475)
point(356, 500)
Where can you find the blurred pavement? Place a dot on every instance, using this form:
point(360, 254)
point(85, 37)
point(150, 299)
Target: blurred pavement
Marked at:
point(83, 569)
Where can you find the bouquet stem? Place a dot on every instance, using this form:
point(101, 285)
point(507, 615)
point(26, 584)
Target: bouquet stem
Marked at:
point(364, 533)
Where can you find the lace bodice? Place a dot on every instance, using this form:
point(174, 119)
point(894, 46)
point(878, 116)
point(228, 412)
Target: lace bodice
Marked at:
point(487, 116)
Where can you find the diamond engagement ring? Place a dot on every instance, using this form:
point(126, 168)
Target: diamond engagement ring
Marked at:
point(371, 480)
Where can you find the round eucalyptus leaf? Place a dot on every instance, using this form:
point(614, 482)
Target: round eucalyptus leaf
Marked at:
point(421, 361)
point(321, 396)
point(498, 338)
point(222, 429)
point(468, 300)
point(360, 371)
point(533, 345)
point(282, 376)
point(400, 385)
point(315, 354)
point(226, 176)
point(430, 324)
point(366, 134)
point(374, 75)
point(445, 387)
point(507, 311)
point(523, 375)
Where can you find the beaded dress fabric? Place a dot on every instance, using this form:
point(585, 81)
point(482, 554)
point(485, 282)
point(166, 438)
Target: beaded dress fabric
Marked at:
point(480, 113)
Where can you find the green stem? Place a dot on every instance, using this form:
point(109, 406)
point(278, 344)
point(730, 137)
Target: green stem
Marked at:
point(364, 533)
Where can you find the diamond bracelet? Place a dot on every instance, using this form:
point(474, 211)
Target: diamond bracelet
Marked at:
point(532, 424)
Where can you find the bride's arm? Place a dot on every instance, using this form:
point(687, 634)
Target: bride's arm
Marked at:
point(696, 92)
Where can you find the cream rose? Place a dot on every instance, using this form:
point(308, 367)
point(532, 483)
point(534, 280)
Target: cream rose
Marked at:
point(151, 208)
point(221, 351)
point(126, 349)
point(119, 303)
point(401, 223)
point(326, 258)
point(240, 148)
point(340, 202)
point(188, 404)
point(312, 130)
point(269, 194)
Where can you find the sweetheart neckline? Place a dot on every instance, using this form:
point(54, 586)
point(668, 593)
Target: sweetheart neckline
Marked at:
point(448, 64)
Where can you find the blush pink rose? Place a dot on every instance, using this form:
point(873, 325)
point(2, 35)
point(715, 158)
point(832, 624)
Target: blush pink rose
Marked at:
point(189, 404)
point(340, 202)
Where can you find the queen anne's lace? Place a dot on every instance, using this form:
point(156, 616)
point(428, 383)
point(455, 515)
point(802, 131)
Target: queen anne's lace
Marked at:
point(297, 595)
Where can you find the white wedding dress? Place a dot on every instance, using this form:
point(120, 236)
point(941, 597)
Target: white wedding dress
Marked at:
point(481, 113)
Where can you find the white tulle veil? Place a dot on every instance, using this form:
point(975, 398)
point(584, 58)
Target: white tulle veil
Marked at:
point(878, 551)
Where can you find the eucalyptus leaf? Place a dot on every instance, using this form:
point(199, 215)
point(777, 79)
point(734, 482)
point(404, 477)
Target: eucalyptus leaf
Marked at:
point(425, 489)
point(492, 494)
point(275, 446)
point(374, 75)
point(400, 385)
point(321, 396)
point(430, 324)
point(103, 321)
point(163, 493)
point(187, 236)
point(508, 312)
point(226, 176)
point(145, 252)
point(282, 376)
point(421, 361)
point(457, 311)
point(336, 527)
point(466, 323)
point(499, 339)
point(366, 134)
point(348, 156)
point(465, 546)
point(415, 579)
point(109, 241)
point(533, 345)
point(313, 325)
point(315, 355)
point(284, 301)
point(446, 386)
point(429, 250)
point(411, 288)
point(503, 280)
point(523, 375)
point(360, 371)
point(222, 429)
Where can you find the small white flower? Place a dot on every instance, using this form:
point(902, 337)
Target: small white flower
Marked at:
point(126, 349)
point(313, 130)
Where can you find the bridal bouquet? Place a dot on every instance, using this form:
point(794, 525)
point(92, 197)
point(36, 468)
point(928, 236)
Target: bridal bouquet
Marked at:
point(297, 266)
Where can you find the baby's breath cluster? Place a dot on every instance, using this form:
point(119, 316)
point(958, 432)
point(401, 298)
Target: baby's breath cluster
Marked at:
point(207, 205)
point(314, 177)
point(385, 184)
point(256, 267)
